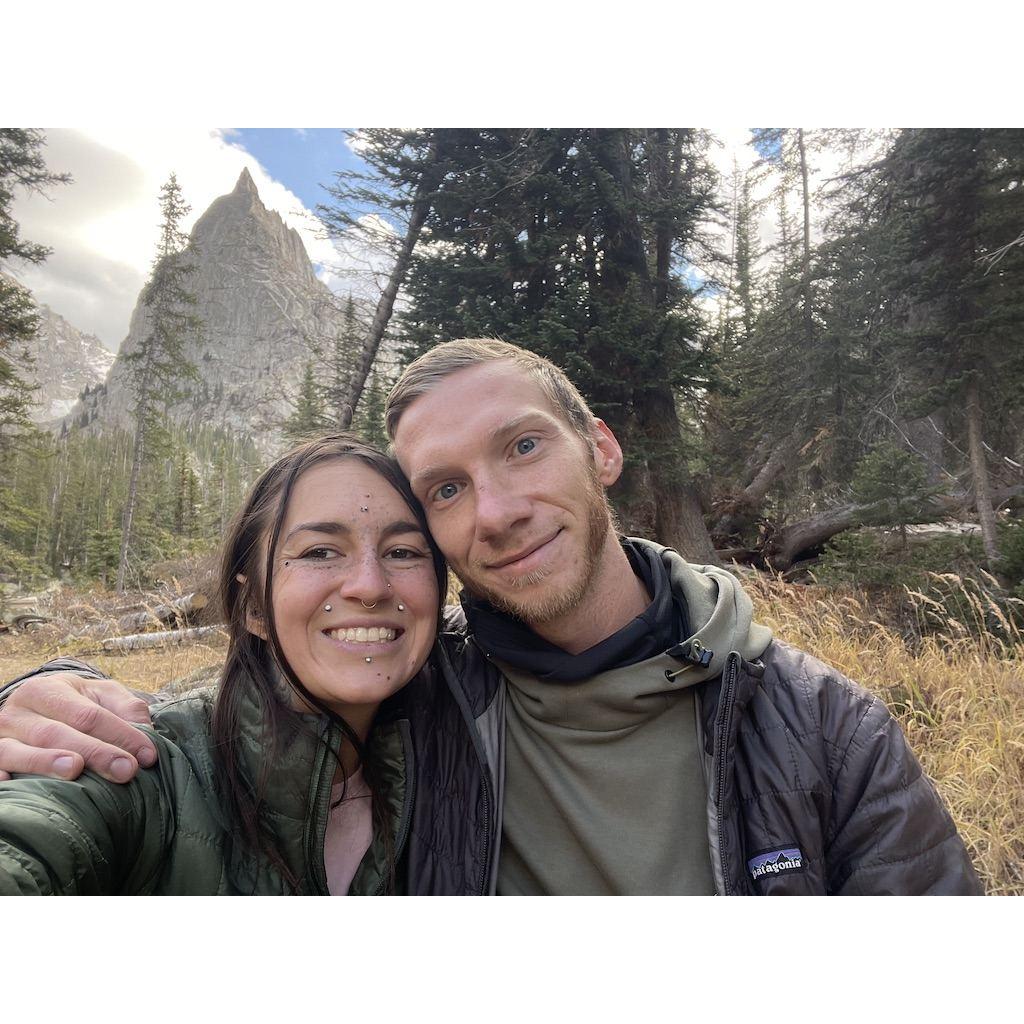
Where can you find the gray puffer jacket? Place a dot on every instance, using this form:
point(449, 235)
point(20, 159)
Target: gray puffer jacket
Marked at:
point(811, 786)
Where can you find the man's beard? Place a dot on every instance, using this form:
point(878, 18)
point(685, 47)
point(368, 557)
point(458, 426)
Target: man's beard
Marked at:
point(547, 607)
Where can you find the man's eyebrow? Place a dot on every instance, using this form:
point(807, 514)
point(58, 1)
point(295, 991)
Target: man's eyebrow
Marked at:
point(514, 424)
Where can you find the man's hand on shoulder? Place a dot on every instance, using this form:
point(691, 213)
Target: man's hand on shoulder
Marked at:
point(60, 723)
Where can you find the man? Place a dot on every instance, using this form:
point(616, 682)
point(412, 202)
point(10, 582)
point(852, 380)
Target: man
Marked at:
point(645, 736)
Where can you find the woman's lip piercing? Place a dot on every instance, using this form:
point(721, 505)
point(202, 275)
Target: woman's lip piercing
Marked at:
point(327, 607)
point(365, 605)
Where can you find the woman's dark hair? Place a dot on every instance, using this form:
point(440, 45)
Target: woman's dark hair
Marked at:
point(252, 665)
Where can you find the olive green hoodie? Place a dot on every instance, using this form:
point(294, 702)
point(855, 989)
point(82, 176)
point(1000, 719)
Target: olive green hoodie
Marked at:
point(604, 782)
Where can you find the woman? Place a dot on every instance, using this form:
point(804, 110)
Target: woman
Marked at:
point(297, 777)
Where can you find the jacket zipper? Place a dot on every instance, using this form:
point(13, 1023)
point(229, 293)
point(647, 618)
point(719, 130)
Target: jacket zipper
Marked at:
point(452, 682)
point(319, 808)
point(487, 831)
point(721, 734)
point(408, 801)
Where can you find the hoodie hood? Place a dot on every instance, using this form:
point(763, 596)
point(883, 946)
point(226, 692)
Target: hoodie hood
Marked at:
point(721, 614)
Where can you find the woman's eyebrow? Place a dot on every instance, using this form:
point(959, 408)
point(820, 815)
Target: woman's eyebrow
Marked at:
point(332, 526)
point(329, 526)
point(399, 527)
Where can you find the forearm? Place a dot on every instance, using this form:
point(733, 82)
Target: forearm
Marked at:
point(81, 668)
point(77, 838)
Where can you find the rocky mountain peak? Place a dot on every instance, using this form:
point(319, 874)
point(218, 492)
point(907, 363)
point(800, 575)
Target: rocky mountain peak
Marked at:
point(263, 310)
point(245, 183)
point(238, 223)
point(66, 361)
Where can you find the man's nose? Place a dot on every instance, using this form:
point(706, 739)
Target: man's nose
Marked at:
point(498, 510)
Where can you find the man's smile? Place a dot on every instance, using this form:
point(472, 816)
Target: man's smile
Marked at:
point(526, 559)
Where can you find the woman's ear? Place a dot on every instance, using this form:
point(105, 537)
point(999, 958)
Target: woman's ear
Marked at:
point(253, 620)
point(254, 623)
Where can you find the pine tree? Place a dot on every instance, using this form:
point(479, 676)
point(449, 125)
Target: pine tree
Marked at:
point(21, 166)
point(308, 418)
point(160, 366)
point(953, 197)
point(574, 243)
point(341, 362)
point(369, 420)
point(406, 169)
point(892, 484)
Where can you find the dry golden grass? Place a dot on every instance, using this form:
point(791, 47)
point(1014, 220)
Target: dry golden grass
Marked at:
point(958, 695)
point(144, 670)
point(82, 617)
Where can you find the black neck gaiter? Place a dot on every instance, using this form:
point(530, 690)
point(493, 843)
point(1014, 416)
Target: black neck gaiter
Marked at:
point(661, 625)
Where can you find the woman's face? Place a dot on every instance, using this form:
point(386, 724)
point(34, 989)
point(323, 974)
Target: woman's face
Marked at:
point(354, 591)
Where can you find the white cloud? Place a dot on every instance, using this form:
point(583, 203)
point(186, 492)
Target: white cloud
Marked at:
point(103, 227)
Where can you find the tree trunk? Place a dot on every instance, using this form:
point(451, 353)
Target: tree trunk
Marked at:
point(660, 488)
point(979, 472)
point(678, 517)
point(386, 304)
point(749, 500)
point(806, 266)
point(784, 548)
point(138, 451)
point(789, 542)
point(141, 641)
point(176, 613)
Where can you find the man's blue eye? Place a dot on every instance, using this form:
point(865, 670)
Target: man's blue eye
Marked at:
point(446, 491)
point(526, 445)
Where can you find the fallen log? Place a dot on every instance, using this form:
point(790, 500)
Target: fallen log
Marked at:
point(791, 541)
point(141, 641)
point(175, 613)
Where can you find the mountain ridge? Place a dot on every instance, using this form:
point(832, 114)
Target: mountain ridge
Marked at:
point(264, 312)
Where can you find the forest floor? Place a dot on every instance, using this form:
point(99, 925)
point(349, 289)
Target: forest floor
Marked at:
point(958, 695)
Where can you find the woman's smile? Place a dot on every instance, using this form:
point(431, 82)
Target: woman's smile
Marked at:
point(354, 590)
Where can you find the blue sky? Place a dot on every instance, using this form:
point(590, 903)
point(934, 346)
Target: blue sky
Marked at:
point(304, 159)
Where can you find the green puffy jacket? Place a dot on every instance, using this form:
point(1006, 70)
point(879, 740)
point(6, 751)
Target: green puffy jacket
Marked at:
point(165, 833)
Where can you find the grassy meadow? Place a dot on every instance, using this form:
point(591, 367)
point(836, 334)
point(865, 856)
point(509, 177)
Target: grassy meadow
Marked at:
point(956, 687)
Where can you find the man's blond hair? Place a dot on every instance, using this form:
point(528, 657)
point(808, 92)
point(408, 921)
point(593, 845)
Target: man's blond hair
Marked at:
point(426, 372)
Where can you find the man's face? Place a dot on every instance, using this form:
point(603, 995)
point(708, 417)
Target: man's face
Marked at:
point(514, 497)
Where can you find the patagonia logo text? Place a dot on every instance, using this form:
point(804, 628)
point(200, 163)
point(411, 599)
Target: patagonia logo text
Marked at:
point(775, 862)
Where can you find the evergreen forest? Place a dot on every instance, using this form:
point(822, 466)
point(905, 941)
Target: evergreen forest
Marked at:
point(813, 359)
point(803, 366)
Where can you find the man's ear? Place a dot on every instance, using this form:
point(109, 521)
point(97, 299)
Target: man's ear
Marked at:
point(607, 453)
